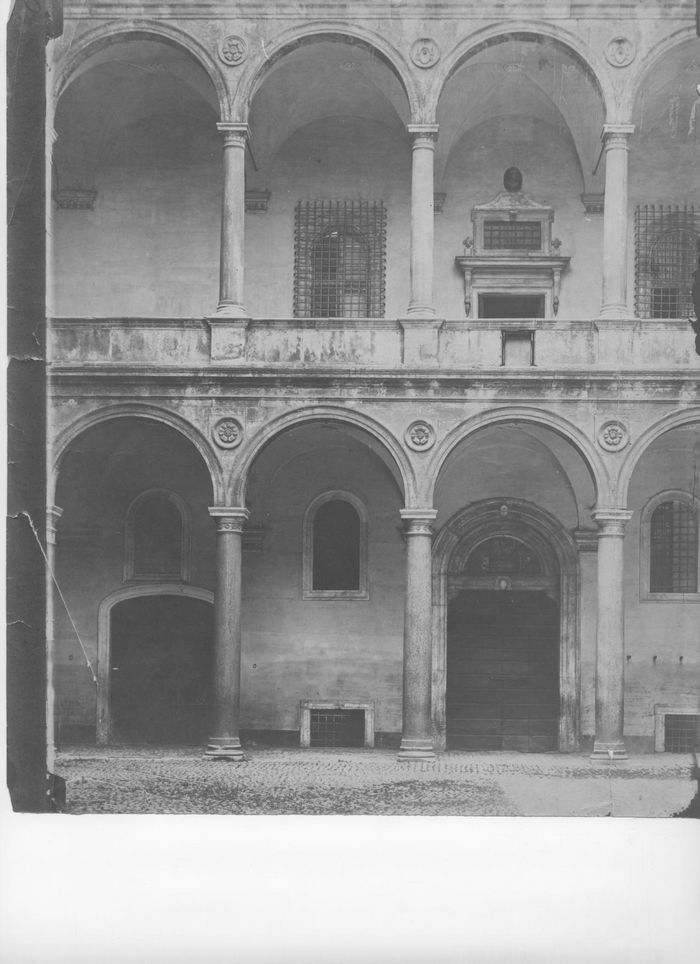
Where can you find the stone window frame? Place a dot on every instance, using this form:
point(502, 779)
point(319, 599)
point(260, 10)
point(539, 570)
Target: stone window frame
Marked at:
point(305, 707)
point(645, 594)
point(130, 537)
point(661, 711)
point(308, 592)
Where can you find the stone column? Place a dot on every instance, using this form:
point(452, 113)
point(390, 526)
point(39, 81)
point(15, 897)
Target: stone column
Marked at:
point(53, 514)
point(610, 636)
point(616, 138)
point(423, 137)
point(416, 736)
point(225, 744)
point(235, 139)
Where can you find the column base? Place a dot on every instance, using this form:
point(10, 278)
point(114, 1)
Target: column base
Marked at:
point(416, 750)
point(609, 752)
point(616, 313)
point(231, 309)
point(222, 749)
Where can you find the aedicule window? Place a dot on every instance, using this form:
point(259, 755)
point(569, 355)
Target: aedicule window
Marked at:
point(335, 548)
point(340, 249)
point(674, 549)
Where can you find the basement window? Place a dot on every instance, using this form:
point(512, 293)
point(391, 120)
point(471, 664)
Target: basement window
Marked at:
point(336, 724)
point(676, 729)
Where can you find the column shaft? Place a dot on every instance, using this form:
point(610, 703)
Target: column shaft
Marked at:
point(610, 637)
point(422, 188)
point(225, 743)
point(616, 138)
point(231, 303)
point(416, 737)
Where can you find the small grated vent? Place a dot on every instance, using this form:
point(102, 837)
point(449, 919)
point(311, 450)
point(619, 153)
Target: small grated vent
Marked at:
point(682, 732)
point(337, 727)
point(513, 235)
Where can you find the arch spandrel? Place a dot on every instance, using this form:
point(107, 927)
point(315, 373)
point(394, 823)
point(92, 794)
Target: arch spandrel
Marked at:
point(635, 452)
point(84, 423)
point(593, 64)
point(253, 446)
point(95, 41)
point(643, 66)
point(514, 414)
point(269, 54)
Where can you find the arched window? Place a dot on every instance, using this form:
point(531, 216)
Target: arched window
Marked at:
point(339, 259)
point(157, 538)
point(670, 547)
point(335, 548)
point(340, 275)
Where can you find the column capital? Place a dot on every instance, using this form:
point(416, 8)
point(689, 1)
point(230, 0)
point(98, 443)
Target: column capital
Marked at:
point(418, 522)
point(611, 521)
point(617, 135)
point(229, 518)
point(423, 132)
point(234, 135)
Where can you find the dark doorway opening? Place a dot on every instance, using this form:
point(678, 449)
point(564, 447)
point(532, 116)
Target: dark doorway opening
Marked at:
point(511, 306)
point(503, 671)
point(161, 670)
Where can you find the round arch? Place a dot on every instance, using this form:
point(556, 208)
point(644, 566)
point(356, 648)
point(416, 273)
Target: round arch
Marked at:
point(259, 66)
point(534, 526)
point(110, 34)
point(592, 64)
point(135, 410)
point(104, 641)
point(320, 413)
point(636, 451)
point(647, 63)
point(533, 416)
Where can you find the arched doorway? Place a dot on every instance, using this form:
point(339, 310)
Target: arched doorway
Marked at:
point(503, 649)
point(506, 635)
point(160, 669)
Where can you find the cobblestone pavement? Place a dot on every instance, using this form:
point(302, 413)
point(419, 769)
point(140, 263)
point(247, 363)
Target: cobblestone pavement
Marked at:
point(371, 782)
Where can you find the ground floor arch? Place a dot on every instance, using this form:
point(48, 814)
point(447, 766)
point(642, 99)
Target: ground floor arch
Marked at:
point(538, 595)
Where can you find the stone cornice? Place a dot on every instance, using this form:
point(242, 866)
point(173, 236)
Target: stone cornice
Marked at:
point(383, 10)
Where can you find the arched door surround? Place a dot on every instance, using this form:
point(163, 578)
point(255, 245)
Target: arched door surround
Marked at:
point(537, 529)
point(104, 640)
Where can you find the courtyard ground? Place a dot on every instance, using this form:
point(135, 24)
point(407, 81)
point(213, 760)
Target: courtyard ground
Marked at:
point(178, 780)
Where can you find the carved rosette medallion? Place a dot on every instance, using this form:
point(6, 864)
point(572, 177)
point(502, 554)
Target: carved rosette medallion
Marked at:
point(620, 52)
point(613, 436)
point(420, 436)
point(228, 433)
point(425, 53)
point(233, 51)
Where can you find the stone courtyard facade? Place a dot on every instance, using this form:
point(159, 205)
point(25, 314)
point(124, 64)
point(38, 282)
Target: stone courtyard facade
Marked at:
point(374, 402)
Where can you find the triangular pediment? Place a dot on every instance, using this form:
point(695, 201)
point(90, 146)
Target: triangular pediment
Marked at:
point(513, 201)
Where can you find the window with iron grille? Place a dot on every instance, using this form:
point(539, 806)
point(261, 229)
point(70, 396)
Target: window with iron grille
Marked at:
point(513, 235)
point(665, 258)
point(681, 732)
point(340, 252)
point(673, 564)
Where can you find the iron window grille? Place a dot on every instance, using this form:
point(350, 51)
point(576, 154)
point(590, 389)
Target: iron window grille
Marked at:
point(513, 235)
point(340, 255)
point(665, 258)
point(673, 549)
point(337, 727)
point(681, 732)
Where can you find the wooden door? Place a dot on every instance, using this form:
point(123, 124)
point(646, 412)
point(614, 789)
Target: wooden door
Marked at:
point(161, 670)
point(503, 671)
